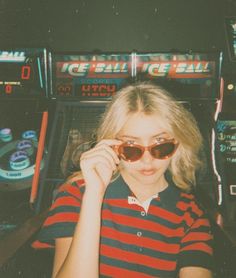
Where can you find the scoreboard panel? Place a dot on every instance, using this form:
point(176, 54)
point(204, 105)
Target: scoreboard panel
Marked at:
point(23, 73)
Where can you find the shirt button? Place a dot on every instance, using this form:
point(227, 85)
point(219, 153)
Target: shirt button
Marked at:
point(143, 213)
point(139, 234)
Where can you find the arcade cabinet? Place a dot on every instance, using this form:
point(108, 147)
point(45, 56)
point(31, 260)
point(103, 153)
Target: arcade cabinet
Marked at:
point(23, 125)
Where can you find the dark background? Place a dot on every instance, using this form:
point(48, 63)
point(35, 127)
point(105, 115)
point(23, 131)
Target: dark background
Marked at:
point(115, 25)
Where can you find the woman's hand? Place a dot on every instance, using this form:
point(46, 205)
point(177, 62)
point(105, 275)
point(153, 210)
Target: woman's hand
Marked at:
point(98, 164)
point(81, 258)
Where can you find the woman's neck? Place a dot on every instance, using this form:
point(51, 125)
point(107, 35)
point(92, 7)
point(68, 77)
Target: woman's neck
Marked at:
point(144, 191)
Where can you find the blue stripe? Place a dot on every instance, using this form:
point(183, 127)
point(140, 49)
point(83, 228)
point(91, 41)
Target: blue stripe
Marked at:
point(149, 234)
point(63, 209)
point(142, 269)
point(132, 212)
point(136, 249)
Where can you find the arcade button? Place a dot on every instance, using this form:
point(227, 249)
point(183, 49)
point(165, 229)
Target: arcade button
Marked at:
point(25, 145)
point(19, 160)
point(5, 135)
point(8, 174)
point(30, 134)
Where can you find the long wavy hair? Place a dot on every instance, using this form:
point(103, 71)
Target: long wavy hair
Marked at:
point(151, 99)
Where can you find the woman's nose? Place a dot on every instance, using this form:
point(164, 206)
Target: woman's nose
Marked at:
point(147, 157)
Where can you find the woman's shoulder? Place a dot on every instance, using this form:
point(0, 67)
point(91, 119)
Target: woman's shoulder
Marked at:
point(63, 214)
point(190, 202)
point(78, 184)
point(73, 188)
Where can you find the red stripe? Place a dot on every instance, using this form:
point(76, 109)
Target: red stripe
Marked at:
point(184, 206)
point(80, 182)
point(147, 225)
point(201, 222)
point(70, 189)
point(196, 208)
point(197, 236)
point(66, 201)
point(116, 272)
point(187, 195)
point(162, 213)
point(61, 217)
point(155, 245)
point(200, 246)
point(38, 244)
point(155, 211)
point(188, 219)
point(135, 258)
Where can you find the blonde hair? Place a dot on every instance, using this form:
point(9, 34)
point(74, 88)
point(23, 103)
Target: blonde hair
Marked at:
point(151, 99)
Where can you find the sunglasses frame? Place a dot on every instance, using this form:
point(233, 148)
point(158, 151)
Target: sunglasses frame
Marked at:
point(118, 149)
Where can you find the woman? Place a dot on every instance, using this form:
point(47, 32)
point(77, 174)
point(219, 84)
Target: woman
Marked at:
point(132, 213)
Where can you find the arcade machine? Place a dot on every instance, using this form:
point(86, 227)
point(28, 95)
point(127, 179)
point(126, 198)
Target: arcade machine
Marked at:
point(23, 124)
point(194, 79)
point(226, 125)
point(84, 83)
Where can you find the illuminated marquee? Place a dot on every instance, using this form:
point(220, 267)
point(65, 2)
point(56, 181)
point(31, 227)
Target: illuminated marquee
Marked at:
point(178, 69)
point(12, 56)
point(91, 69)
point(172, 69)
point(102, 75)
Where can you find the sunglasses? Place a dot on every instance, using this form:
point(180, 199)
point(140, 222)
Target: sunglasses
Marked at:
point(131, 152)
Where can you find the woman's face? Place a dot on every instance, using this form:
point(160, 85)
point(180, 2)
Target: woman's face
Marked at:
point(144, 130)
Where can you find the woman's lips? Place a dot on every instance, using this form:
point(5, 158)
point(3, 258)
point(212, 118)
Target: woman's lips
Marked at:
point(146, 172)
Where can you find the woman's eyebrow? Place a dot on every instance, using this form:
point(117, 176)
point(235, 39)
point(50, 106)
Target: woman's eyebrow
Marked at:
point(134, 137)
point(127, 136)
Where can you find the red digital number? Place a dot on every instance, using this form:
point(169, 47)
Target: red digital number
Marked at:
point(64, 89)
point(8, 89)
point(25, 72)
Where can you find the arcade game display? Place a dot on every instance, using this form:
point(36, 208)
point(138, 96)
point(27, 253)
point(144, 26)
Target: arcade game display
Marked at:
point(226, 126)
point(226, 133)
point(230, 28)
point(23, 123)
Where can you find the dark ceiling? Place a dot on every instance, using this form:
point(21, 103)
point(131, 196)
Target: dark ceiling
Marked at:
point(116, 25)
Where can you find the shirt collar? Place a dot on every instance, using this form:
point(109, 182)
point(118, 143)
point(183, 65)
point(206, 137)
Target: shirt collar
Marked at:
point(118, 189)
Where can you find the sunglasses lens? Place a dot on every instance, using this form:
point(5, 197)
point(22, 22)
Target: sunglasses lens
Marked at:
point(130, 153)
point(163, 151)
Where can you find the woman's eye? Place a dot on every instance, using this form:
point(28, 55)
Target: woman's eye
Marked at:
point(130, 142)
point(159, 140)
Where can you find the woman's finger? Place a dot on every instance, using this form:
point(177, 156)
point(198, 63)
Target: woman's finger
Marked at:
point(92, 158)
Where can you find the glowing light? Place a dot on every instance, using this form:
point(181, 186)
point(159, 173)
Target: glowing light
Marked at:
point(230, 87)
point(12, 56)
point(220, 189)
point(134, 64)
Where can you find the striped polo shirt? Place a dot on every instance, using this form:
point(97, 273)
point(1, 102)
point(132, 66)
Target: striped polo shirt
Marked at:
point(154, 240)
